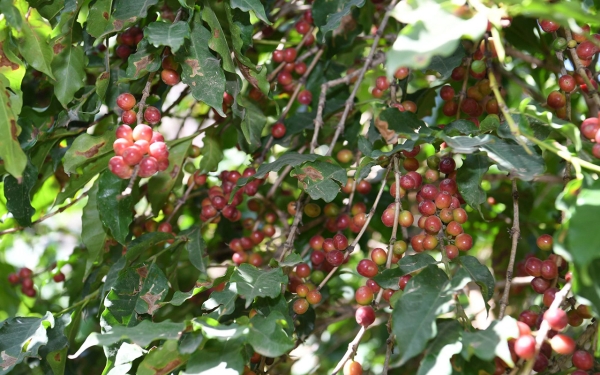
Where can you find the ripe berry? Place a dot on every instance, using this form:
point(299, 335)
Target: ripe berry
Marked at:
point(314, 296)
point(302, 27)
point(463, 242)
point(300, 306)
point(589, 128)
point(417, 242)
point(132, 155)
point(556, 99)
point(118, 167)
point(556, 318)
point(544, 242)
point(566, 83)
point(406, 219)
point(410, 164)
point(129, 117)
point(376, 93)
point(401, 73)
point(353, 368)
point(278, 56)
point(367, 268)
point(382, 83)
point(388, 217)
point(540, 285)
point(433, 224)
point(529, 317)
point(340, 242)
point(278, 130)
point(586, 50)
point(126, 101)
point(365, 316)
point(379, 256)
point(305, 97)
point(148, 167)
point(363, 295)
point(152, 115)
point(450, 108)
point(123, 51)
point(300, 68)
point(533, 266)
point(562, 344)
point(335, 258)
point(447, 93)
point(141, 132)
point(170, 77)
point(525, 347)
point(583, 360)
point(549, 26)
point(289, 54)
point(549, 270)
point(363, 187)
point(13, 278)
point(447, 165)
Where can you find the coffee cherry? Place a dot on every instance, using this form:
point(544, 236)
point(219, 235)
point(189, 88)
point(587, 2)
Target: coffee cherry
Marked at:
point(364, 187)
point(119, 168)
point(533, 266)
point(544, 242)
point(540, 285)
point(575, 320)
point(388, 217)
point(353, 368)
point(278, 130)
point(278, 56)
point(529, 317)
point(549, 270)
point(556, 318)
point(410, 164)
point(549, 26)
point(583, 360)
point(566, 83)
point(142, 132)
point(302, 27)
point(447, 165)
point(300, 306)
point(289, 54)
point(126, 101)
point(450, 108)
point(410, 106)
point(129, 117)
point(417, 242)
point(314, 296)
point(405, 219)
point(382, 83)
point(433, 225)
point(148, 167)
point(427, 208)
point(365, 316)
point(363, 295)
point(556, 99)
point(525, 347)
point(305, 97)
point(584, 311)
point(401, 73)
point(170, 77)
point(447, 93)
point(13, 278)
point(59, 277)
point(589, 128)
point(463, 242)
point(586, 50)
point(29, 292)
point(152, 115)
point(376, 93)
point(451, 251)
point(123, 51)
point(596, 150)
point(367, 268)
point(478, 66)
point(335, 258)
point(458, 73)
point(300, 68)
point(562, 344)
point(132, 155)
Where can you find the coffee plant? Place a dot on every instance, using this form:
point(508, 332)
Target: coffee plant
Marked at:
point(299, 187)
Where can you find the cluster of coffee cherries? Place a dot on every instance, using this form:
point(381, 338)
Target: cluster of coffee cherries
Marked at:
point(243, 246)
point(590, 128)
point(25, 278)
point(382, 84)
point(585, 49)
point(127, 102)
point(439, 206)
point(138, 146)
point(169, 73)
point(127, 42)
point(544, 272)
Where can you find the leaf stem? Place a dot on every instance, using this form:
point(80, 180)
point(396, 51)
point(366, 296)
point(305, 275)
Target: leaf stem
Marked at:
point(83, 301)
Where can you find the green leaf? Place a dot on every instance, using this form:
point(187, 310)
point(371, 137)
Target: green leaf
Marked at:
point(218, 357)
point(489, 123)
point(432, 30)
point(11, 13)
point(146, 59)
point(145, 242)
point(171, 35)
point(69, 65)
point(251, 5)
point(468, 179)
point(217, 41)
point(445, 65)
point(196, 248)
point(212, 154)
point(201, 71)
point(439, 352)
point(10, 150)
point(268, 336)
point(364, 168)
point(289, 158)
point(426, 296)
point(163, 183)
point(321, 178)
point(15, 333)
point(142, 334)
point(492, 342)
point(163, 360)
point(253, 123)
point(99, 17)
point(252, 282)
point(481, 275)
point(86, 148)
point(127, 9)
point(78, 181)
point(467, 145)
point(221, 303)
point(408, 264)
point(365, 146)
point(93, 235)
point(137, 291)
point(102, 84)
point(35, 47)
point(115, 211)
point(291, 260)
point(514, 159)
point(458, 127)
point(405, 124)
point(335, 12)
point(240, 30)
point(18, 195)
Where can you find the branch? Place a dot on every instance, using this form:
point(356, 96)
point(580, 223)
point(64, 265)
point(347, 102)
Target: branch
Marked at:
point(510, 51)
point(351, 350)
point(463, 90)
point(183, 199)
point(350, 101)
point(63, 208)
point(294, 228)
point(515, 233)
point(145, 94)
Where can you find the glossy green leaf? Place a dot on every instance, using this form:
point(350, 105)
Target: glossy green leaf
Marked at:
point(489, 123)
point(469, 177)
point(11, 13)
point(78, 181)
point(142, 334)
point(253, 123)
point(217, 41)
point(93, 235)
point(426, 296)
point(127, 9)
point(115, 211)
point(10, 151)
point(461, 127)
point(439, 352)
point(321, 178)
point(252, 282)
point(69, 65)
point(253, 5)
point(289, 158)
point(467, 145)
point(99, 17)
point(163, 360)
point(268, 336)
point(196, 248)
point(18, 195)
point(221, 303)
point(445, 65)
point(145, 242)
point(162, 34)
point(492, 341)
point(86, 148)
point(514, 159)
point(15, 333)
point(480, 274)
point(218, 357)
point(332, 12)
point(35, 47)
point(201, 71)
point(145, 59)
point(405, 123)
point(408, 264)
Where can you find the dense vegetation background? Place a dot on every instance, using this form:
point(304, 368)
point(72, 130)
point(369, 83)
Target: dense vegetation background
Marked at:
point(247, 187)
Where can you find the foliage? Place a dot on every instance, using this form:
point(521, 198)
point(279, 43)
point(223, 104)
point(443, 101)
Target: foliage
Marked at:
point(322, 186)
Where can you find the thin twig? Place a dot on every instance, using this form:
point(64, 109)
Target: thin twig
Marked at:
point(592, 92)
point(510, 51)
point(352, 347)
point(463, 90)
point(289, 243)
point(350, 101)
point(63, 208)
point(515, 234)
point(183, 199)
point(281, 177)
